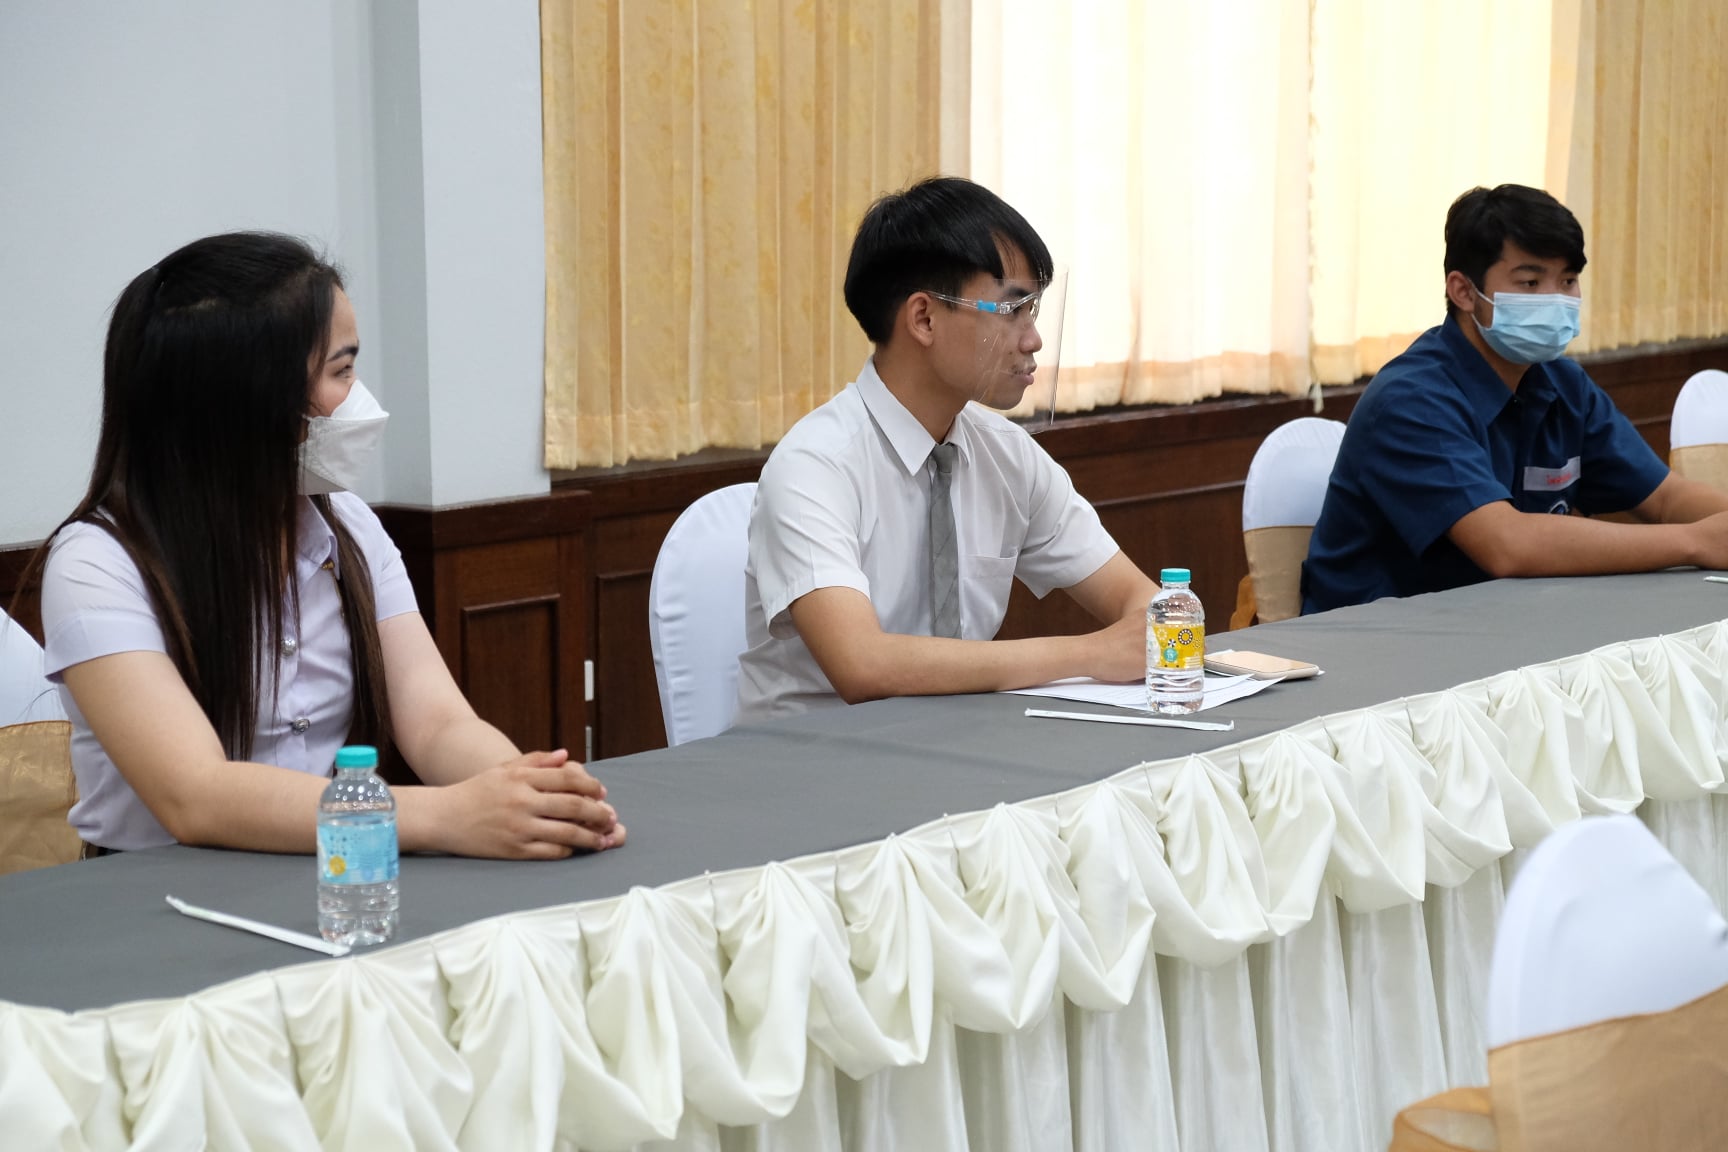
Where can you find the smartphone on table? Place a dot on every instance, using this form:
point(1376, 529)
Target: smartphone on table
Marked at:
point(1259, 665)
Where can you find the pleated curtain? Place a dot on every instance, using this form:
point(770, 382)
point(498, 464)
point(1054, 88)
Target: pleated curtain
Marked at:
point(706, 165)
point(1250, 194)
point(1160, 148)
point(1645, 166)
point(1412, 105)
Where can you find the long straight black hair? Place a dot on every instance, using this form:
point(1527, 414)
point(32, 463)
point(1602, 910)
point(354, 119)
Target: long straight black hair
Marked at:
point(206, 384)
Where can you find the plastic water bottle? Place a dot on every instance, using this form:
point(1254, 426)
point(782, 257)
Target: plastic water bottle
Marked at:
point(358, 890)
point(1175, 646)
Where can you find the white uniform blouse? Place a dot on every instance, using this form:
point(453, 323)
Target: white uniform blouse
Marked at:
point(94, 604)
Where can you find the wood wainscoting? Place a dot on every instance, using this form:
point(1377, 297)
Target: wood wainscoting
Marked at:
point(524, 596)
point(504, 588)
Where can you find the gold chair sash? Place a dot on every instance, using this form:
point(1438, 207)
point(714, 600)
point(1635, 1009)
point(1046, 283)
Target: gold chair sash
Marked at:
point(1656, 1082)
point(1707, 463)
point(1275, 558)
point(36, 791)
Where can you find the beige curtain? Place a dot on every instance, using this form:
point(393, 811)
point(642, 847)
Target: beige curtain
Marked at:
point(706, 164)
point(1617, 107)
point(1646, 166)
point(1251, 192)
point(1412, 105)
point(1160, 149)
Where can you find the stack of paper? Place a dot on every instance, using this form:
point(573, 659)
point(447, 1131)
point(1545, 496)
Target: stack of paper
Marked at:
point(1219, 690)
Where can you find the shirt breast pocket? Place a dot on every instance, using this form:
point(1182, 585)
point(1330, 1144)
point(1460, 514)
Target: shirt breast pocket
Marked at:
point(985, 582)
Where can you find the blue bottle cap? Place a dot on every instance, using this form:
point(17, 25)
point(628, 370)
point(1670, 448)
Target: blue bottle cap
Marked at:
point(357, 756)
point(1169, 575)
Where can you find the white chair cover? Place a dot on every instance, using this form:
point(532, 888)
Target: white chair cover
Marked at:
point(25, 694)
point(1601, 923)
point(1287, 479)
point(696, 613)
point(1701, 411)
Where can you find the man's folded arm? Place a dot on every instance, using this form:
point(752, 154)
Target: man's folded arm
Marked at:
point(1506, 542)
point(1118, 589)
point(862, 662)
point(1678, 500)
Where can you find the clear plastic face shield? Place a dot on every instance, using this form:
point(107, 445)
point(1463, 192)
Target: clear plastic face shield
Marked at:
point(1016, 345)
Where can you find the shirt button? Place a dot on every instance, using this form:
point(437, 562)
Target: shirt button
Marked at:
point(299, 726)
point(289, 645)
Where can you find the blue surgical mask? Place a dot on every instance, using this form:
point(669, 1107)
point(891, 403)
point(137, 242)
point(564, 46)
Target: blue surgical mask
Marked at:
point(1530, 328)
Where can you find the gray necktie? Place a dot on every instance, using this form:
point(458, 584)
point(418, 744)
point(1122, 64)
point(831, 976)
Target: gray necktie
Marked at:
point(944, 549)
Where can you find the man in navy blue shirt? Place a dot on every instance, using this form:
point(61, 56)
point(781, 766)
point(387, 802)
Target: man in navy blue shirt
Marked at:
point(1481, 452)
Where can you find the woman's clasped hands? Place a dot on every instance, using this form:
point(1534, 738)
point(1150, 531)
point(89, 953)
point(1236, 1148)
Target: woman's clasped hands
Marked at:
point(538, 806)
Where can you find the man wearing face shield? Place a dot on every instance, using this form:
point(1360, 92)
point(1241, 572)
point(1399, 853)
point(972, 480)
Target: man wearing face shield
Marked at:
point(1468, 456)
point(891, 522)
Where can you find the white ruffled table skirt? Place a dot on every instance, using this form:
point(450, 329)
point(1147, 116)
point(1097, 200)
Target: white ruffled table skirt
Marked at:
point(1272, 946)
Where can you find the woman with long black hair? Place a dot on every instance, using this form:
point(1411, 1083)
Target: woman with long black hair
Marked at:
point(221, 615)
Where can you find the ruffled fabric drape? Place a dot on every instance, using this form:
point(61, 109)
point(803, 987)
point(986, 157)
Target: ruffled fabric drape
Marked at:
point(1272, 946)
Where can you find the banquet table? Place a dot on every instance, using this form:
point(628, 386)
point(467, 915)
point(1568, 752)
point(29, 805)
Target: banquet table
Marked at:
point(921, 923)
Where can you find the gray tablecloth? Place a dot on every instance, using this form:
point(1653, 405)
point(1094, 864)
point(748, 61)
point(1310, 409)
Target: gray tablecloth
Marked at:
point(98, 933)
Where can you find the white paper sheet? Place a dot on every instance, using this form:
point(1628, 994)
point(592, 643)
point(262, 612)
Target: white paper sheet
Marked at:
point(1219, 690)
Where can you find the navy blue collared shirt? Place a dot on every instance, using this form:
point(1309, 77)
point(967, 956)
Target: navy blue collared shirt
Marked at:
point(1438, 435)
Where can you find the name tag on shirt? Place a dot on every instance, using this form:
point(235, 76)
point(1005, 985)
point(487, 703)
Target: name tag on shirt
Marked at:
point(1553, 479)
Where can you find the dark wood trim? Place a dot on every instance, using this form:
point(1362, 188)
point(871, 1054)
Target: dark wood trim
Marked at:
point(22, 603)
point(644, 487)
point(1143, 498)
point(543, 601)
point(557, 513)
point(607, 573)
point(1655, 361)
point(673, 484)
point(1129, 429)
point(577, 498)
point(562, 511)
point(13, 560)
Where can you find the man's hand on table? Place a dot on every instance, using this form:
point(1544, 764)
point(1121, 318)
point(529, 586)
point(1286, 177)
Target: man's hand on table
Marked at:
point(1710, 539)
point(1119, 651)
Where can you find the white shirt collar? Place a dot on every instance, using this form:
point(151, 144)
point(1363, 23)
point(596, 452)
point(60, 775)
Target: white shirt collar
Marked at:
point(316, 540)
point(909, 439)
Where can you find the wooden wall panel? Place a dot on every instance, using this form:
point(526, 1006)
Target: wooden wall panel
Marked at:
point(510, 668)
point(629, 720)
point(1195, 528)
point(625, 549)
point(22, 604)
point(504, 588)
point(26, 609)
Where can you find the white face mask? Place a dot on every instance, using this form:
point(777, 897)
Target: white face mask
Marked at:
point(336, 446)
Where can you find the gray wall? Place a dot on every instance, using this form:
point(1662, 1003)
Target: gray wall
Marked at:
point(402, 136)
